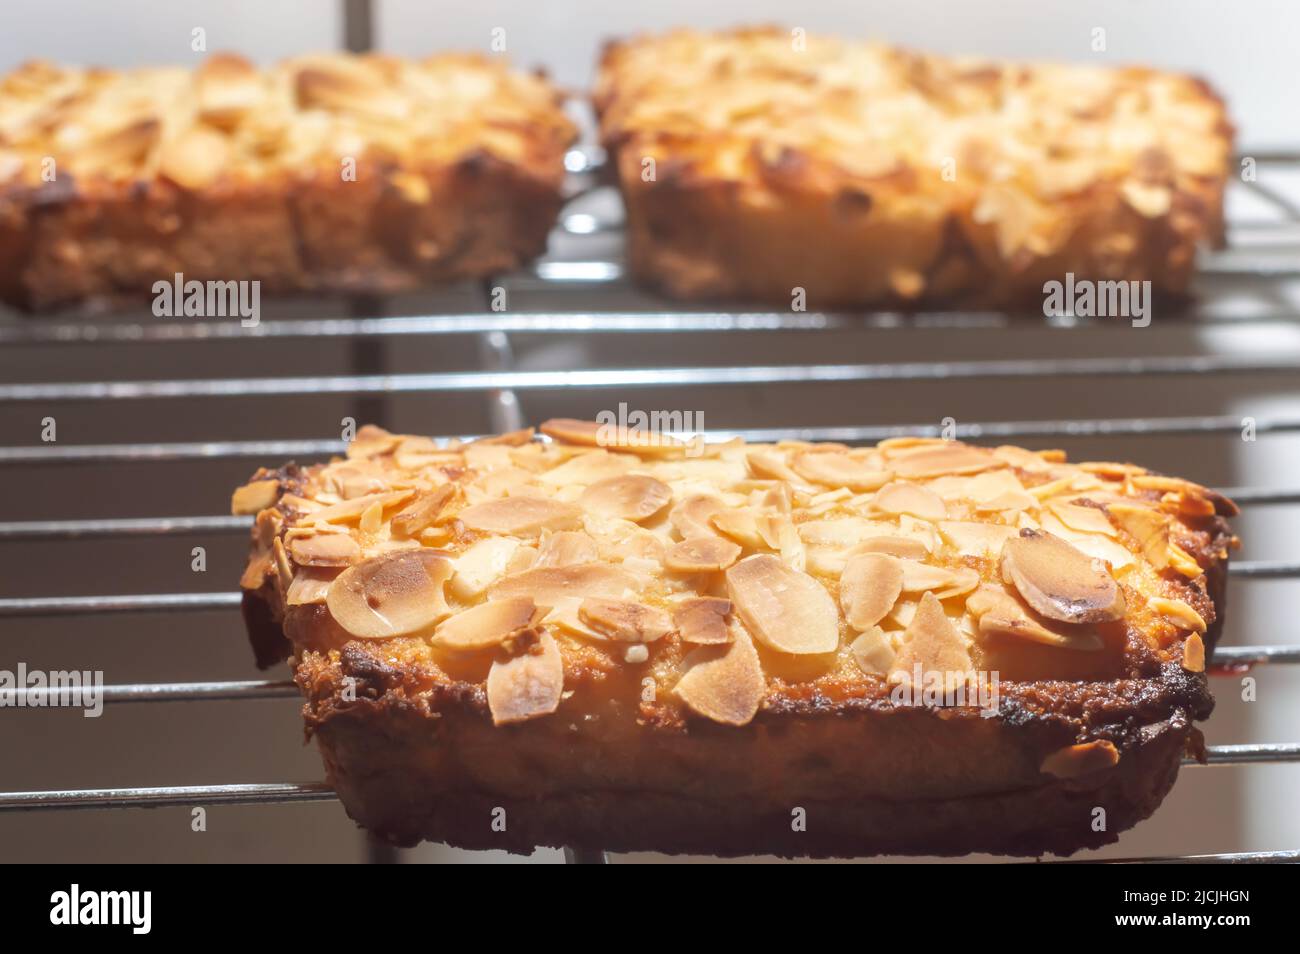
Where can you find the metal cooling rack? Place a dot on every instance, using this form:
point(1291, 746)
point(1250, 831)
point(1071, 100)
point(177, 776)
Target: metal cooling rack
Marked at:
point(1260, 251)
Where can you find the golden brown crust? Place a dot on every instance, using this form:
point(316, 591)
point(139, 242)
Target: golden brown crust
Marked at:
point(234, 173)
point(866, 174)
point(1094, 712)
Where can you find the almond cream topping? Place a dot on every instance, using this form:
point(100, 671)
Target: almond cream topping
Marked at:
point(538, 550)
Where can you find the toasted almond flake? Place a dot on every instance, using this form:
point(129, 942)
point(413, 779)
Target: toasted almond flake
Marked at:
point(975, 539)
point(1111, 470)
point(844, 532)
point(624, 620)
point(692, 517)
point(391, 595)
point(702, 555)
point(919, 577)
point(904, 547)
point(779, 497)
point(524, 517)
point(612, 437)
point(589, 467)
point(1149, 201)
point(873, 652)
point(254, 497)
point(567, 548)
point(310, 586)
point(325, 549)
point(429, 508)
point(195, 158)
point(371, 441)
point(1150, 528)
point(741, 525)
point(869, 588)
point(703, 620)
point(1075, 761)
point(949, 458)
point(517, 438)
point(723, 683)
point(1011, 500)
point(933, 643)
point(486, 625)
point(784, 609)
point(771, 463)
point(1194, 653)
point(527, 685)
point(282, 566)
point(839, 469)
point(898, 446)
point(347, 511)
point(1059, 581)
point(1082, 519)
point(998, 613)
point(1188, 505)
point(1178, 613)
point(634, 497)
point(481, 565)
point(549, 585)
point(1184, 562)
point(917, 501)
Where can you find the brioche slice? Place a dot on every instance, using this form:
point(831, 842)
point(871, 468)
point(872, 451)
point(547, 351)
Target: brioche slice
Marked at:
point(607, 640)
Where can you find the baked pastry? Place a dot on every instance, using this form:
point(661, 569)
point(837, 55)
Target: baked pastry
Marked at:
point(329, 172)
point(756, 162)
point(613, 641)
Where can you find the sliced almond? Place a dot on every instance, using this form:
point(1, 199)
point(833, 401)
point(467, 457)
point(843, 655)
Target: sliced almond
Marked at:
point(1075, 761)
point(723, 683)
point(612, 437)
point(1080, 518)
point(944, 582)
point(196, 158)
point(741, 525)
point(391, 595)
point(1184, 562)
point(932, 643)
point(692, 517)
point(975, 539)
point(770, 463)
point(480, 565)
point(528, 685)
point(1059, 581)
point(524, 517)
point(998, 613)
point(634, 497)
point(869, 588)
point(624, 620)
point(873, 652)
point(899, 498)
point(949, 458)
point(839, 469)
point(904, 547)
point(428, 509)
point(1177, 612)
point(549, 585)
point(124, 147)
point(1150, 528)
point(1194, 653)
point(310, 586)
point(702, 555)
point(703, 620)
point(351, 510)
point(325, 549)
point(255, 497)
point(485, 625)
point(589, 467)
point(785, 609)
point(567, 548)
point(227, 87)
point(371, 441)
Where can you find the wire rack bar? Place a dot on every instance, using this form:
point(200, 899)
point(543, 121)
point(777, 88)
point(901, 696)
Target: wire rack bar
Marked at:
point(283, 689)
point(1230, 858)
point(462, 381)
point(319, 791)
point(133, 603)
point(279, 450)
point(176, 602)
point(170, 795)
point(119, 527)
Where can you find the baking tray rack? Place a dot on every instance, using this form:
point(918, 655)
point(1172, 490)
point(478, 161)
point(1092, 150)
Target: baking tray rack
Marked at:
point(1260, 251)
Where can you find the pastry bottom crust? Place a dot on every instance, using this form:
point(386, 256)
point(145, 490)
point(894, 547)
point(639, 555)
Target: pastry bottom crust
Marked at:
point(400, 794)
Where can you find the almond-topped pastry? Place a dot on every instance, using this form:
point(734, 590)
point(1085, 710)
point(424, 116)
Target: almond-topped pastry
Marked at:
point(928, 646)
point(758, 162)
point(329, 171)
